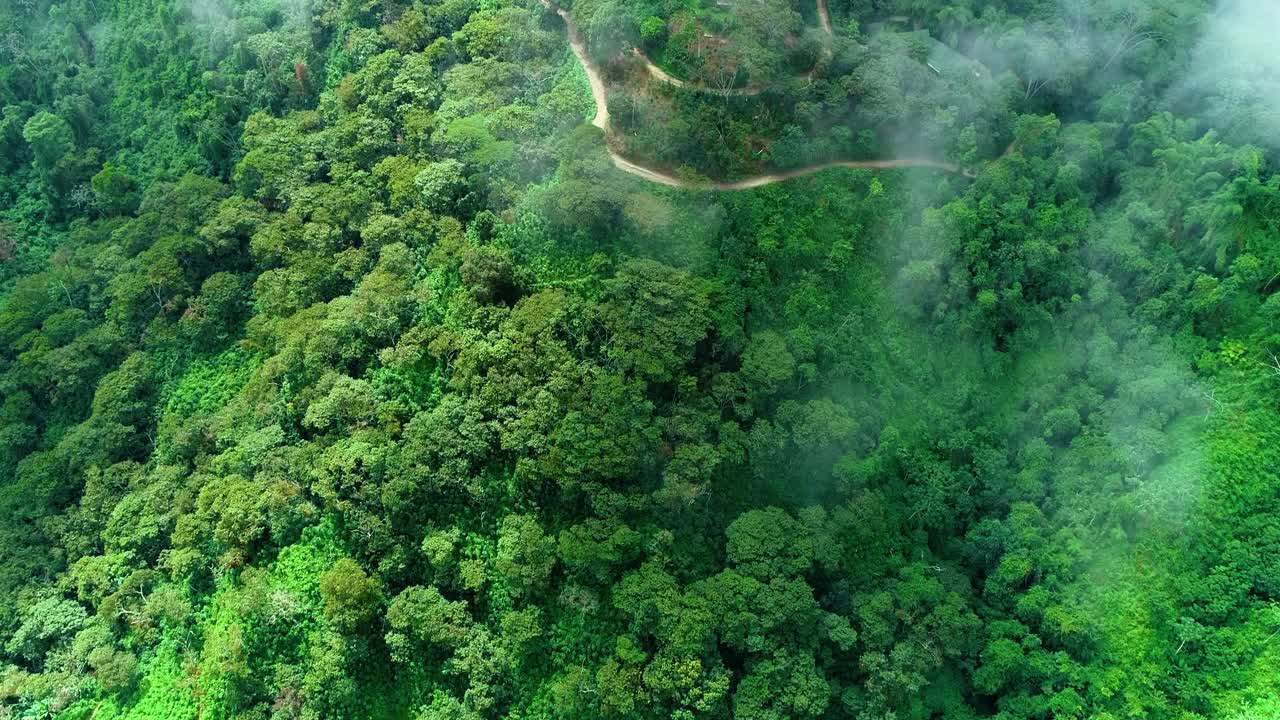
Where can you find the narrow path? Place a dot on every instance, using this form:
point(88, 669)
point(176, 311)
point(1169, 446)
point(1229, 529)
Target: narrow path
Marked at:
point(756, 181)
point(824, 17)
point(598, 93)
point(667, 78)
point(601, 120)
point(890, 164)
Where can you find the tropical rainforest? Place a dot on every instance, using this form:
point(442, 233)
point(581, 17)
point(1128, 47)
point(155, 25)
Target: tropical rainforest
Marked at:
point(639, 359)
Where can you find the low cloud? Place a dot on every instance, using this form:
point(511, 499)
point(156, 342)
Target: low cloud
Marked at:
point(1234, 75)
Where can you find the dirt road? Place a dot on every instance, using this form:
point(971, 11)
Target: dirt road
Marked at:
point(667, 78)
point(601, 120)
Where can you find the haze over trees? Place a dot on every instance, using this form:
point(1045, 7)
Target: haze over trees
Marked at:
point(344, 375)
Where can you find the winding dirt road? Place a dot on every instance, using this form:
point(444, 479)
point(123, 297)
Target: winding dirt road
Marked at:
point(825, 18)
point(667, 78)
point(601, 120)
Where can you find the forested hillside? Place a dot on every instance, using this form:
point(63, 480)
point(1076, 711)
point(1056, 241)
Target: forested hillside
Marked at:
point(403, 360)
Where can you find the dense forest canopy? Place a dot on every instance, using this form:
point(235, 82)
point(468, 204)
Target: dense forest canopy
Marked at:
point(348, 369)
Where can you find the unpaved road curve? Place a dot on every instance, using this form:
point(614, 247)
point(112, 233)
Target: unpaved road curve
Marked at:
point(601, 121)
point(825, 17)
point(662, 178)
point(667, 78)
point(890, 164)
point(598, 93)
